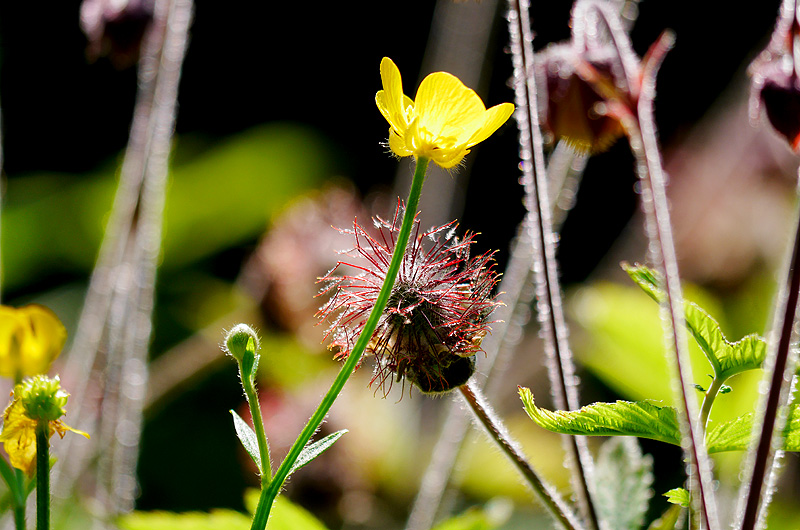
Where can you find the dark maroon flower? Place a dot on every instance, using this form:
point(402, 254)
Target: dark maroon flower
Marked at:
point(437, 313)
point(580, 88)
point(777, 90)
point(115, 28)
point(775, 83)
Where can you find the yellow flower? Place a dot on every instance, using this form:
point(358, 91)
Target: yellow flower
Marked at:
point(31, 337)
point(19, 428)
point(444, 122)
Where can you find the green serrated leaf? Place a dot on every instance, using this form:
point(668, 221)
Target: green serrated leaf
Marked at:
point(312, 451)
point(679, 496)
point(668, 519)
point(735, 435)
point(727, 358)
point(248, 439)
point(214, 520)
point(622, 418)
point(623, 477)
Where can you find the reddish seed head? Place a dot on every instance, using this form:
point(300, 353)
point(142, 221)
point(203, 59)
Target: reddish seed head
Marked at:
point(438, 309)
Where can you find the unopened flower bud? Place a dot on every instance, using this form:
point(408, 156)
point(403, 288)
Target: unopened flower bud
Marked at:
point(776, 89)
point(115, 28)
point(42, 397)
point(579, 86)
point(241, 342)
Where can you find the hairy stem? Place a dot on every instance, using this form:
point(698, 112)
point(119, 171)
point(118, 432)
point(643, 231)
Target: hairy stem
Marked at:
point(708, 402)
point(258, 425)
point(497, 431)
point(269, 493)
point(43, 475)
point(780, 367)
point(641, 132)
point(561, 368)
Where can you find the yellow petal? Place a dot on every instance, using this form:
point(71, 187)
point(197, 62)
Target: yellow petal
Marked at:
point(447, 108)
point(61, 428)
point(448, 158)
point(398, 144)
point(391, 101)
point(494, 118)
point(11, 336)
point(44, 337)
point(19, 437)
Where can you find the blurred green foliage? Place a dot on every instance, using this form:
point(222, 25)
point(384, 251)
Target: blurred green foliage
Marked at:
point(215, 200)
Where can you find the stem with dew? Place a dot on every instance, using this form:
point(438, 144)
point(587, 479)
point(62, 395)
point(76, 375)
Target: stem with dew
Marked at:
point(642, 137)
point(780, 369)
point(497, 431)
point(269, 493)
point(561, 368)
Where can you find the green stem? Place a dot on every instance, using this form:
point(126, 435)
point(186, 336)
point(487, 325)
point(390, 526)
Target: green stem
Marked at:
point(708, 401)
point(42, 475)
point(269, 493)
point(255, 412)
point(14, 479)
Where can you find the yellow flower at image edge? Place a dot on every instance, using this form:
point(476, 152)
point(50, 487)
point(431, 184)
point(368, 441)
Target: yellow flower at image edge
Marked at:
point(42, 398)
point(31, 337)
point(444, 121)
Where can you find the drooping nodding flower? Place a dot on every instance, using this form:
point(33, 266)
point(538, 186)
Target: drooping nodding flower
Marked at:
point(438, 309)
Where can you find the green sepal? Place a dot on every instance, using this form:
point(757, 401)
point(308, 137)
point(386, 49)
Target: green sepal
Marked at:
point(312, 451)
point(9, 477)
point(735, 435)
point(622, 418)
point(250, 361)
point(727, 358)
point(622, 478)
point(249, 440)
point(679, 496)
point(668, 520)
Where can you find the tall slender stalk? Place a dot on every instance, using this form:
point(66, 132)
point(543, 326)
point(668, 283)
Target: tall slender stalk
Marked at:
point(780, 368)
point(269, 493)
point(497, 431)
point(116, 318)
point(561, 368)
point(43, 475)
point(516, 295)
point(642, 135)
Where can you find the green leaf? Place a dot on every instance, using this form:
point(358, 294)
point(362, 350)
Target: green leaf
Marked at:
point(248, 439)
point(623, 477)
point(735, 435)
point(312, 451)
point(622, 418)
point(213, 520)
point(679, 496)
point(668, 519)
point(727, 358)
point(493, 515)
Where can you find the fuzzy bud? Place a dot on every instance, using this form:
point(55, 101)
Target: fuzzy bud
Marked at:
point(242, 343)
